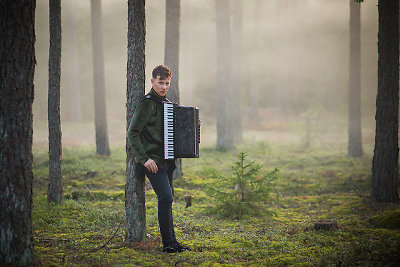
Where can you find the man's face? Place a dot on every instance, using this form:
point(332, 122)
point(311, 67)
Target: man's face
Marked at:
point(161, 86)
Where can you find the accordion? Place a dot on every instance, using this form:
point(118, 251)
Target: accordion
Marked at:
point(181, 131)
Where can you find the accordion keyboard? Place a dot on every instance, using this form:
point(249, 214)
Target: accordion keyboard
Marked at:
point(168, 130)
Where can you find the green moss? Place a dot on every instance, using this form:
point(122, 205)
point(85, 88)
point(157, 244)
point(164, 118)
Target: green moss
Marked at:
point(322, 184)
point(387, 219)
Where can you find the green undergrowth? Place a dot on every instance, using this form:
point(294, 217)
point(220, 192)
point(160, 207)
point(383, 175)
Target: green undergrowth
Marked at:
point(317, 184)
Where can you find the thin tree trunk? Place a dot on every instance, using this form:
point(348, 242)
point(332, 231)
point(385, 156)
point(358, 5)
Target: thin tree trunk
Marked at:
point(171, 59)
point(188, 59)
point(280, 90)
point(237, 62)
point(223, 92)
point(253, 113)
point(135, 229)
point(386, 152)
point(54, 193)
point(73, 68)
point(355, 141)
point(17, 67)
point(171, 55)
point(100, 114)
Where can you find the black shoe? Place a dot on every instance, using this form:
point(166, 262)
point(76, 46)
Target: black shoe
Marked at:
point(170, 248)
point(181, 248)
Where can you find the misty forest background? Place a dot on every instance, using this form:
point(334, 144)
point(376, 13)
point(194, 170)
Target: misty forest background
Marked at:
point(304, 202)
point(302, 54)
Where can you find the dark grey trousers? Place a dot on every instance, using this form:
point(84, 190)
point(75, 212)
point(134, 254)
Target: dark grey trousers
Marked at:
point(162, 183)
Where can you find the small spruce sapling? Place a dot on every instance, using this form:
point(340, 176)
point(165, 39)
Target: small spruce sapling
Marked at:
point(244, 192)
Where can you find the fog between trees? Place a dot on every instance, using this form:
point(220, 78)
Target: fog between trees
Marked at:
point(303, 52)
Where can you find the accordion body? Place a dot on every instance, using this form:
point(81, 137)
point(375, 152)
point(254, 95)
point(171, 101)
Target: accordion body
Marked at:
point(181, 131)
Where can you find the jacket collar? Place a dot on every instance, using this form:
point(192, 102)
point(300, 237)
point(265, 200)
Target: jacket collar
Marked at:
point(153, 92)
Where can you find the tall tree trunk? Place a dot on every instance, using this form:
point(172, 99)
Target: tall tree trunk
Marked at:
point(223, 92)
point(386, 153)
point(100, 114)
point(54, 193)
point(280, 90)
point(17, 67)
point(188, 58)
point(237, 62)
point(171, 55)
point(135, 228)
point(355, 141)
point(73, 66)
point(171, 59)
point(253, 113)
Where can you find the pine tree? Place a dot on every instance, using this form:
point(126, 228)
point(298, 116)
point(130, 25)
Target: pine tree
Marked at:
point(54, 193)
point(355, 141)
point(100, 114)
point(135, 228)
point(241, 193)
point(386, 152)
point(17, 67)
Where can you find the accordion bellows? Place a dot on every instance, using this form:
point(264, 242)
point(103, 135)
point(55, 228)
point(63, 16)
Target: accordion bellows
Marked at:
point(181, 131)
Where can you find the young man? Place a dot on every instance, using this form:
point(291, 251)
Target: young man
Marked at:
point(145, 136)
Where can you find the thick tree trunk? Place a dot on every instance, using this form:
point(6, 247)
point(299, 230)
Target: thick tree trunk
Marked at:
point(355, 141)
point(386, 153)
point(17, 59)
point(237, 62)
point(100, 114)
point(54, 193)
point(73, 66)
point(223, 92)
point(172, 37)
point(135, 228)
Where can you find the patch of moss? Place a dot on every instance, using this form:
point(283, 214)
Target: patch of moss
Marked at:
point(95, 195)
point(387, 219)
point(322, 184)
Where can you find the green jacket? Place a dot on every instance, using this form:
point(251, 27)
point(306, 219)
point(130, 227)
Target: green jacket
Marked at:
point(145, 133)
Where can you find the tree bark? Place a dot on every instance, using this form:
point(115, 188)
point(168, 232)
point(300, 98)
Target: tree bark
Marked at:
point(253, 113)
point(237, 62)
point(135, 229)
point(171, 57)
point(386, 152)
point(73, 66)
point(355, 138)
point(54, 193)
point(223, 92)
point(100, 114)
point(188, 58)
point(17, 66)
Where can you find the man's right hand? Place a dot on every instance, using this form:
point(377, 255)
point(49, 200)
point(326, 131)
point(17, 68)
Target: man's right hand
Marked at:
point(151, 166)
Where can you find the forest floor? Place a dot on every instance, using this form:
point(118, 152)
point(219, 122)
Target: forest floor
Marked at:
point(317, 182)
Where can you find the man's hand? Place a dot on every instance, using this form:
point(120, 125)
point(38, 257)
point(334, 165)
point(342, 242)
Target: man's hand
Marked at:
point(151, 166)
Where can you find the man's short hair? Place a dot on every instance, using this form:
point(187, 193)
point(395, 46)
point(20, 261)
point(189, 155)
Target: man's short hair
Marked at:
point(163, 71)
